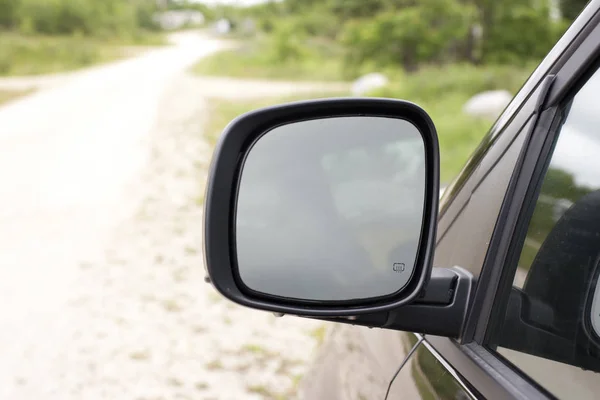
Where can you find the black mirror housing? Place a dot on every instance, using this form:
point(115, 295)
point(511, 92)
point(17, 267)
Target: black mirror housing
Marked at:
point(224, 184)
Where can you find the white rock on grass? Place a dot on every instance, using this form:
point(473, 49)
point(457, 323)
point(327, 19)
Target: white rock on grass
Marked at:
point(368, 83)
point(488, 104)
point(222, 26)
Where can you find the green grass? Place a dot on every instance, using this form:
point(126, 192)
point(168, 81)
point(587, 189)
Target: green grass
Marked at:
point(441, 91)
point(9, 95)
point(224, 111)
point(319, 334)
point(255, 349)
point(36, 54)
point(458, 134)
point(251, 60)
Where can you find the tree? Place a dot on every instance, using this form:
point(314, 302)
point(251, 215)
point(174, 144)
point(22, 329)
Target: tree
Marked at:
point(570, 9)
point(420, 33)
point(517, 33)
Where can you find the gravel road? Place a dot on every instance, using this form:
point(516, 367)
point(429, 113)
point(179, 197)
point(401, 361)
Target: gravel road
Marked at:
point(101, 277)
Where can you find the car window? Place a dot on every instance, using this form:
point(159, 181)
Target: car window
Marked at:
point(543, 329)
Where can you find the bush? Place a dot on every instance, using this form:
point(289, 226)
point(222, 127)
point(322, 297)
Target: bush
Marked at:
point(408, 37)
point(443, 92)
point(8, 13)
point(108, 18)
point(431, 83)
point(22, 55)
point(521, 34)
point(571, 8)
point(255, 61)
point(286, 45)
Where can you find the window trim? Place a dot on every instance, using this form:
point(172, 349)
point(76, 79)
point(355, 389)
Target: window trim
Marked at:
point(501, 251)
point(484, 371)
point(512, 243)
point(450, 369)
point(520, 202)
point(488, 371)
point(570, 75)
point(505, 263)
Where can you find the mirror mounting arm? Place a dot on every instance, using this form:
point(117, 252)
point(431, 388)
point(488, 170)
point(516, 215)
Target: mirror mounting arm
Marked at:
point(440, 310)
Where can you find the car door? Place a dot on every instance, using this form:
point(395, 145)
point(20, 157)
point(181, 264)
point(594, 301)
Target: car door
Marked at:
point(480, 213)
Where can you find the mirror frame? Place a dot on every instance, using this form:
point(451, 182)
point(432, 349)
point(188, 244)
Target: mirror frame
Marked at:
point(222, 187)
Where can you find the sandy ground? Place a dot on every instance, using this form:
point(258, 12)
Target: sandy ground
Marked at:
point(101, 278)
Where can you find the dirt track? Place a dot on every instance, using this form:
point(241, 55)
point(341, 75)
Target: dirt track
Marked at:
point(101, 277)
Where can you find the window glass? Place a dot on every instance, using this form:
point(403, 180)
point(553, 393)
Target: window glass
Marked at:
point(545, 331)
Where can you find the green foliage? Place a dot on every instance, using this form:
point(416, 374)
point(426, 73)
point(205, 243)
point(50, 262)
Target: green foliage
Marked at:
point(8, 13)
point(23, 55)
point(520, 34)
point(314, 61)
point(413, 33)
point(418, 34)
point(316, 23)
point(107, 18)
point(359, 9)
point(430, 50)
point(144, 16)
point(7, 96)
point(208, 12)
point(570, 9)
point(222, 112)
point(431, 83)
point(350, 9)
point(286, 44)
point(442, 92)
point(42, 36)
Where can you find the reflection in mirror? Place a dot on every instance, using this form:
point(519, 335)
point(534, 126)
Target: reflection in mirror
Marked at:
point(331, 209)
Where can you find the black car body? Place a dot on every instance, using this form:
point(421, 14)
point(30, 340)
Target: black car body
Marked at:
point(523, 218)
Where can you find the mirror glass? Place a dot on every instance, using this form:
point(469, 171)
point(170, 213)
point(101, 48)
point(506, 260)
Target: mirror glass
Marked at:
point(331, 209)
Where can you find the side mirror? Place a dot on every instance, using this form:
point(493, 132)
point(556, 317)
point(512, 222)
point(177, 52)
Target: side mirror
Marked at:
point(327, 208)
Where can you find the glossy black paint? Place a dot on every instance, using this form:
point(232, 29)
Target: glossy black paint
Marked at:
point(478, 224)
point(473, 234)
point(506, 220)
point(222, 187)
point(569, 61)
point(428, 313)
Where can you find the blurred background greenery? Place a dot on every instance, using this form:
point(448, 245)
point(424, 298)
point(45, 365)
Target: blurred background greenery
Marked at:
point(40, 36)
point(436, 53)
point(342, 38)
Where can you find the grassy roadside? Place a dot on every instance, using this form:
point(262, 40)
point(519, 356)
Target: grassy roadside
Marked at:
point(221, 111)
point(441, 91)
point(37, 54)
point(252, 60)
point(9, 95)
point(458, 135)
